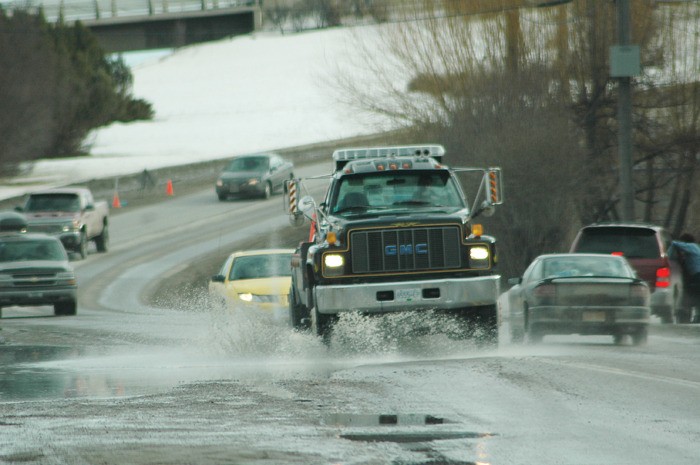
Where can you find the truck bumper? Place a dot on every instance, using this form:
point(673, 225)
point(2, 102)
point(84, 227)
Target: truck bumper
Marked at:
point(40, 296)
point(439, 294)
point(70, 240)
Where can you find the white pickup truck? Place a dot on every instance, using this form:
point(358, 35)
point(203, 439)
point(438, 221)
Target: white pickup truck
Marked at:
point(71, 214)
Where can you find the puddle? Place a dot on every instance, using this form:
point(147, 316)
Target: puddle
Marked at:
point(398, 428)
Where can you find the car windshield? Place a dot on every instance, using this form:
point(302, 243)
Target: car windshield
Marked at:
point(53, 203)
point(19, 251)
point(630, 242)
point(396, 190)
point(561, 267)
point(249, 164)
point(261, 266)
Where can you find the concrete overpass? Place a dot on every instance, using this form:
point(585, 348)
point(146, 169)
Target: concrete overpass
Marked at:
point(127, 25)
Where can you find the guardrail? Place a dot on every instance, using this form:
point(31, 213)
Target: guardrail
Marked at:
point(95, 10)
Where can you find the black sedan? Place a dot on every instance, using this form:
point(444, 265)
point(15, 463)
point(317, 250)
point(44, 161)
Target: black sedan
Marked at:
point(254, 176)
point(579, 294)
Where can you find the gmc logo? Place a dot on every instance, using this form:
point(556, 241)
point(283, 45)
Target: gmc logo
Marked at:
point(406, 249)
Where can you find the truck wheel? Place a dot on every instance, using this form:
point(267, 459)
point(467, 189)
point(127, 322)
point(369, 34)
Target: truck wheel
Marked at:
point(298, 314)
point(65, 308)
point(83, 246)
point(640, 337)
point(102, 241)
point(322, 325)
point(487, 325)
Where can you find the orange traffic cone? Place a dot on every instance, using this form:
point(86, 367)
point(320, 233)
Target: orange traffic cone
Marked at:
point(169, 188)
point(115, 201)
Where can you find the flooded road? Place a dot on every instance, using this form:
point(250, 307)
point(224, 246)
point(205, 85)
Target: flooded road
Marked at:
point(132, 380)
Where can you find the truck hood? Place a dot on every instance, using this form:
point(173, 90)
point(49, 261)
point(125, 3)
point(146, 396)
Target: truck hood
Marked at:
point(401, 218)
point(233, 175)
point(51, 217)
point(35, 267)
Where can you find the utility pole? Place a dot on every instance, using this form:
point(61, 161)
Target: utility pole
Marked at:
point(624, 63)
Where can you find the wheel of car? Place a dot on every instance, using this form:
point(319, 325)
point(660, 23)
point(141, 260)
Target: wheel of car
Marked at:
point(83, 246)
point(102, 241)
point(618, 338)
point(534, 336)
point(267, 192)
point(517, 335)
point(65, 308)
point(640, 337)
point(221, 197)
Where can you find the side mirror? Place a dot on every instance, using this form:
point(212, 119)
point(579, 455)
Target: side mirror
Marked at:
point(515, 281)
point(218, 278)
point(19, 209)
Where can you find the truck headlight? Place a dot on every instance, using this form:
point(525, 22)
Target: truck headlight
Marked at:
point(479, 257)
point(66, 279)
point(334, 264)
point(72, 226)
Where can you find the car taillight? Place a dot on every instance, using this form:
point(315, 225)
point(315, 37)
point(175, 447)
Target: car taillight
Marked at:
point(546, 294)
point(663, 277)
point(639, 294)
point(617, 254)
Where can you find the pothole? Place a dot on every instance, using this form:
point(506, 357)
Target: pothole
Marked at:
point(398, 428)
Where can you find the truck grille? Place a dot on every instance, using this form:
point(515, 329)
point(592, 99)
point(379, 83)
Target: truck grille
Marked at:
point(34, 279)
point(399, 250)
point(45, 228)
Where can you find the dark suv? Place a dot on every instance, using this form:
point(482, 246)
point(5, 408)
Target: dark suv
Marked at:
point(645, 246)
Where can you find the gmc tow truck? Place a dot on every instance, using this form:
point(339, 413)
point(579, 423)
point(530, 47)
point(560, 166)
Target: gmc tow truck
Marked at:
point(395, 234)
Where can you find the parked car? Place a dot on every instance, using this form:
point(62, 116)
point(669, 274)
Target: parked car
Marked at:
point(72, 215)
point(258, 279)
point(254, 176)
point(34, 270)
point(645, 246)
point(579, 294)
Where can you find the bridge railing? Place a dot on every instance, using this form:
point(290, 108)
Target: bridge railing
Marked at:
point(94, 10)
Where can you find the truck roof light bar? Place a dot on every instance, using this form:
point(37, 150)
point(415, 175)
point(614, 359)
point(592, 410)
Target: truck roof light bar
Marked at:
point(342, 156)
point(386, 152)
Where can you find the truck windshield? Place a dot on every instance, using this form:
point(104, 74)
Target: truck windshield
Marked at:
point(52, 203)
point(396, 190)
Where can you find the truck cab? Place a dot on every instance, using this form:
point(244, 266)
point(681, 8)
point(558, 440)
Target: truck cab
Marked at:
point(395, 233)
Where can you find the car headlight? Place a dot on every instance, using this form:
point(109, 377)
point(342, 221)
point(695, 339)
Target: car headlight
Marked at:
point(246, 296)
point(479, 257)
point(254, 181)
point(219, 183)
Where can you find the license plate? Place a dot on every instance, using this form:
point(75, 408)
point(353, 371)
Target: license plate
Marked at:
point(407, 295)
point(593, 316)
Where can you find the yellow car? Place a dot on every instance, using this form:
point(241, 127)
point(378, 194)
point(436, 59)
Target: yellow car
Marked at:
point(254, 278)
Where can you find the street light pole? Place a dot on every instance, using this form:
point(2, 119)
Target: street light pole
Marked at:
point(624, 114)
